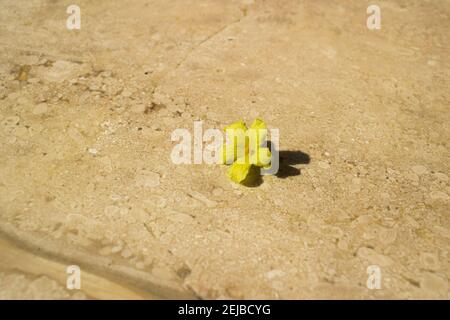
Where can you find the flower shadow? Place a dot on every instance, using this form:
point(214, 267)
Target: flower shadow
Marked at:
point(288, 159)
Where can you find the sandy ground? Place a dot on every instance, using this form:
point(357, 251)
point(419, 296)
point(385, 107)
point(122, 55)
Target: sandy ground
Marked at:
point(85, 171)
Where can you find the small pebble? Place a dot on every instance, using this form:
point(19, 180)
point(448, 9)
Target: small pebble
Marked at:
point(217, 191)
point(33, 80)
point(412, 176)
point(116, 249)
point(441, 176)
point(126, 253)
point(139, 108)
point(355, 187)
point(112, 210)
point(22, 100)
point(276, 273)
point(438, 195)
point(41, 108)
point(126, 93)
point(148, 180)
point(324, 165)
point(430, 261)
point(92, 151)
point(419, 169)
point(11, 121)
point(374, 257)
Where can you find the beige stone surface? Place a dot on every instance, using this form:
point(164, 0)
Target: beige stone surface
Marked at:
point(28, 275)
point(85, 123)
point(15, 286)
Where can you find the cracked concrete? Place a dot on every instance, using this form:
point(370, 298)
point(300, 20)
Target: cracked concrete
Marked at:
point(207, 39)
point(86, 177)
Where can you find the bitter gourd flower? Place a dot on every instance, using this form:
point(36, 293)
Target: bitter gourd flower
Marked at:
point(244, 148)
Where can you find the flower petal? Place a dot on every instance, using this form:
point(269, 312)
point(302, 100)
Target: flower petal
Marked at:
point(258, 124)
point(236, 144)
point(238, 172)
point(237, 125)
point(258, 132)
point(261, 157)
point(229, 153)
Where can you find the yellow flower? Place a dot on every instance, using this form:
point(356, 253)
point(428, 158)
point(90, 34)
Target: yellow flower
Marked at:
point(243, 149)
